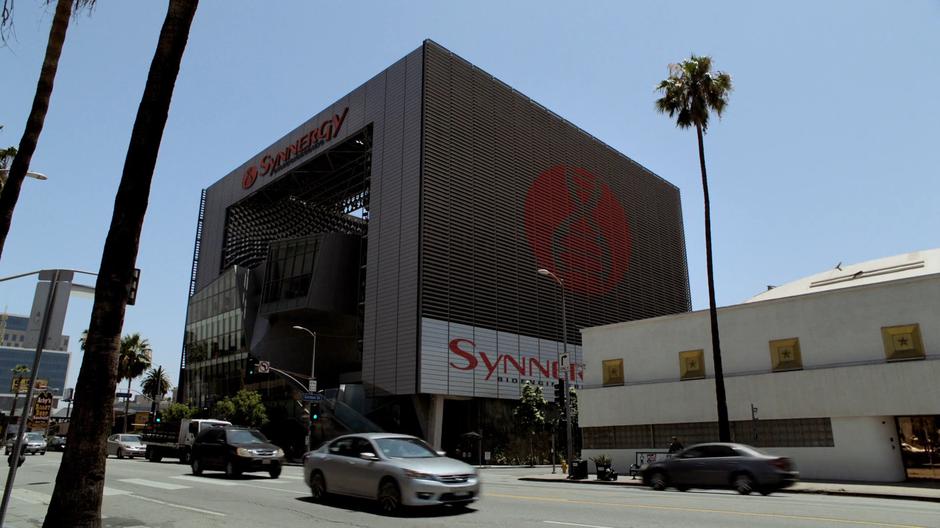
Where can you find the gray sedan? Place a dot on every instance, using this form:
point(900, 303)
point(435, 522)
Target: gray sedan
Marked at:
point(395, 470)
point(722, 465)
point(126, 445)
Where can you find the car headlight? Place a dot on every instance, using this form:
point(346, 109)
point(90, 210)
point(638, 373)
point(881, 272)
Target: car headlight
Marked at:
point(242, 452)
point(418, 475)
point(279, 452)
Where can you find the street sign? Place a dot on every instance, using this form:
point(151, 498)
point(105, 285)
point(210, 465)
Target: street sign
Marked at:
point(313, 396)
point(264, 367)
point(125, 395)
point(312, 385)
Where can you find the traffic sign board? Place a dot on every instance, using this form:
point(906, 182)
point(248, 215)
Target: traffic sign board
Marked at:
point(125, 395)
point(313, 396)
point(264, 367)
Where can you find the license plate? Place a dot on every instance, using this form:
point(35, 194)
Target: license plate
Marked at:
point(265, 461)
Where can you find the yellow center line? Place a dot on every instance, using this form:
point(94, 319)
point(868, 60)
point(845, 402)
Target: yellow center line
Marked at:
point(705, 510)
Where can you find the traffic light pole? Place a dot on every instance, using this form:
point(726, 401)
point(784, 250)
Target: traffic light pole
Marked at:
point(565, 363)
point(18, 443)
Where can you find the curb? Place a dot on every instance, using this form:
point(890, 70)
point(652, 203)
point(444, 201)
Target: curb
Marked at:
point(844, 493)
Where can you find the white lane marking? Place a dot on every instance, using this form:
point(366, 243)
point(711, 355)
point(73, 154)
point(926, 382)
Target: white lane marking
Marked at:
point(292, 492)
point(154, 484)
point(180, 506)
point(30, 496)
point(290, 477)
point(109, 492)
point(575, 524)
point(203, 480)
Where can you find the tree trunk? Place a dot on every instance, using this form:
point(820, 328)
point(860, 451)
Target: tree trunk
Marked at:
point(76, 500)
point(37, 117)
point(724, 428)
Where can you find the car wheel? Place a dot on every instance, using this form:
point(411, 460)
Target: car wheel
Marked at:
point(231, 470)
point(43, 453)
point(318, 486)
point(185, 457)
point(389, 497)
point(743, 484)
point(682, 488)
point(155, 457)
point(196, 466)
point(275, 472)
point(120, 453)
point(658, 481)
point(765, 491)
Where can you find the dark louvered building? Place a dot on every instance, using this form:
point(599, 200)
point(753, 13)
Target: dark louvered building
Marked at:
point(404, 226)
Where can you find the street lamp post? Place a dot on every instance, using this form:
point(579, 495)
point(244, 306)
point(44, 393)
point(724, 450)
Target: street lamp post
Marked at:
point(312, 387)
point(564, 359)
point(312, 384)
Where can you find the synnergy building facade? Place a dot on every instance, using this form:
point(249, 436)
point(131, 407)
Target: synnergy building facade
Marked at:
point(404, 225)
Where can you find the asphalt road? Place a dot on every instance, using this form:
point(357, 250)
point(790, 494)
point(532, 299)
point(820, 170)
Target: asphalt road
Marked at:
point(165, 495)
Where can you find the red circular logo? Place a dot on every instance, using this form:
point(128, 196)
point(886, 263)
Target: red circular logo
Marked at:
point(577, 229)
point(250, 176)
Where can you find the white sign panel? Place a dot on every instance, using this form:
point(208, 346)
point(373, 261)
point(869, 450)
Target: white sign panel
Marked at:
point(463, 360)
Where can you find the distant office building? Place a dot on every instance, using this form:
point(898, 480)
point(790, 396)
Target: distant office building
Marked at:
point(404, 225)
point(838, 370)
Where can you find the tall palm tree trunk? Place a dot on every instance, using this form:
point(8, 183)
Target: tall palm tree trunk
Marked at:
point(76, 500)
point(724, 428)
point(37, 117)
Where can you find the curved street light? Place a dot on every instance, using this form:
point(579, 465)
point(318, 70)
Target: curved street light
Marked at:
point(5, 172)
point(564, 358)
point(312, 387)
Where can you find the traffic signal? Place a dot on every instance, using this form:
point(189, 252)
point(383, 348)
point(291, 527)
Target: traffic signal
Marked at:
point(158, 418)
point(251, 368)
point(561, 392)
point(314, 412)
point(132, 289)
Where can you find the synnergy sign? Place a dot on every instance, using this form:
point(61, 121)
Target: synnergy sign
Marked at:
point(310, 140)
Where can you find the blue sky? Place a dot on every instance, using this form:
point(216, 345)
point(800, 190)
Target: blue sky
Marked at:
point(828, 151)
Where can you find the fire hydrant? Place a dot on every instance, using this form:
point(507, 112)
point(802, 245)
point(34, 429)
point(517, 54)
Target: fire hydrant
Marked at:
point(564, 466)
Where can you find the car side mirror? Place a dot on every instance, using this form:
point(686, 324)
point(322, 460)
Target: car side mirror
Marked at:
point(371, 457)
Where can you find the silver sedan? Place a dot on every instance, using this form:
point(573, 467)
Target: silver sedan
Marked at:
point(126, 445)
point(395, 470)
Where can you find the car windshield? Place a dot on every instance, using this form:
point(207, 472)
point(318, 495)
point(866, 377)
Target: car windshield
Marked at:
point(34, 437)
point(245, 436)
point(130, 439)
point(405, 448)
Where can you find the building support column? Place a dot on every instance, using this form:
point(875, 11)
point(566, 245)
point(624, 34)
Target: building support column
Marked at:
point(436, 420)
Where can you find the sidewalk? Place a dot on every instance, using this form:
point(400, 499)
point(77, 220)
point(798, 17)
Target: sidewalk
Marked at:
point(919, 491)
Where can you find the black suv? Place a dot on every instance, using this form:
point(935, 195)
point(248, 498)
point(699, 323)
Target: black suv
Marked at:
point(236, 450)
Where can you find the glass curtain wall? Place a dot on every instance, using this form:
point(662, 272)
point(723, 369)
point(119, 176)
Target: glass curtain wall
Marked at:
point(216, 342)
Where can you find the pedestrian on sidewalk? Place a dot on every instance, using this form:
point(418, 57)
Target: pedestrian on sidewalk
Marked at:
point(22, 457)
point(675, 446)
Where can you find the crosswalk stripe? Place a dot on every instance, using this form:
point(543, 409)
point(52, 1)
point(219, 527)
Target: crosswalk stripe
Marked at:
point(154, 484)
point(110, 492)
point(30, 496)
point(204, 480)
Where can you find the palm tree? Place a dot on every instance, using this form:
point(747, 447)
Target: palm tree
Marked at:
point(156, 384)
point(37, 114)
point(76, 499)
point(20, 372)
point(134, 360)
point(690, 94)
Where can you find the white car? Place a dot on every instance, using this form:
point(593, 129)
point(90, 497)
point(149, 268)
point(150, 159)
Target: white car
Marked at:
point(33, 443)
point(396, 470)
point(126, 445)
